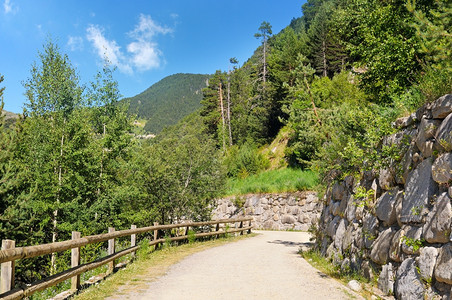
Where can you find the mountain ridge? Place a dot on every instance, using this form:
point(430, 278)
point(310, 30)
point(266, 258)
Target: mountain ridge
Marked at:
point(168, 100)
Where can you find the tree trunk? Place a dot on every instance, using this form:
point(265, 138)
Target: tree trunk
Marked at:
point(325, 73)
point(222, 115)
point(55, 212)
point(312, 101)
point(229, 111)
point(264, 75)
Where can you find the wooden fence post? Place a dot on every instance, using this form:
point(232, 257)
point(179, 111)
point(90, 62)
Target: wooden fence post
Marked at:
point(156, 235)
point(7, 269)
point(111, 250)
point(217, 229)
point(133, 240)
point(75, 261)
point(241, 226)
point(249, 230)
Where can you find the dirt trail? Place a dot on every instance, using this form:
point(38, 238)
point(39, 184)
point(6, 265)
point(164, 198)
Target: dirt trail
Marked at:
point(263, 267)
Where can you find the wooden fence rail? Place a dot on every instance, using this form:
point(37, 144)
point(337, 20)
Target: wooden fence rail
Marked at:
point(9, 254)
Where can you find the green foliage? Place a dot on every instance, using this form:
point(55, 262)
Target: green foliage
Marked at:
point(191, 236)
point(414, 244)
point(168, 101)
point(244, 161)
point(177, 176)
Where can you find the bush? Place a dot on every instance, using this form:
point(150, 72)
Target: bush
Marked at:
point(244, 161)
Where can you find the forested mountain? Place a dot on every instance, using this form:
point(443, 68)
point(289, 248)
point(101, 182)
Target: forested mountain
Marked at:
point(168, 101)
point(9, 118)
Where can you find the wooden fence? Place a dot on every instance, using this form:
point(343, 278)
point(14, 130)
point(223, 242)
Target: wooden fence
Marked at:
point(9, 254)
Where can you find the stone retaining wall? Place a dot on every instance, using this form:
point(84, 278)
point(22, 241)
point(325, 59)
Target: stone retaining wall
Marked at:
point(289, 211)
point(401, 231)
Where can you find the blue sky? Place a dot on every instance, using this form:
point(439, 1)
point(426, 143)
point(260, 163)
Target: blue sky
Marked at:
point(146, 40)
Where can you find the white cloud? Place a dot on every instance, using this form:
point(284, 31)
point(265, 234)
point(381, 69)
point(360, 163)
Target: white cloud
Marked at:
point(142, 53)
point(9, 7)
point(75, 43)
point(107, 49)
point(145, 52)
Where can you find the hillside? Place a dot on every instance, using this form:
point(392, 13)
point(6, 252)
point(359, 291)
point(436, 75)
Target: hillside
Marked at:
point(9, 118)
point(169, 100)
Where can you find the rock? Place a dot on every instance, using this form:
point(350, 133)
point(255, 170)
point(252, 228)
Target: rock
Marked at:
point(367, 270)
point(335, 208)
point(347, 240)
point(386, 179)
point(259, 210)
point(407, 164)
point(385, 280)
point(370, 229)
point(443, 268)
point(380, 248)
point(385, 208)
point(340, 232)
point(424, 111)
point(345, 265)
point(395, 251)
point(404, 122)
point(419, 188)
point(442, 107)
point(288, 219)
point(350, 211)
point(275, 217)
point(354, 285)
point(338, 191)
point(412, 242)
point(442, 168)
point(408, 284)
point(331, 229)
point(426, 131)
point(426, 261)
point(437, 227)
point(444, 135)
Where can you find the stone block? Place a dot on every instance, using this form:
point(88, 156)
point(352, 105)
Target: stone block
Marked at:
point(444, 135)
point(395, 251)
point(386, 279)
point(437, 228)
point(385, 208)
point(381, 246)
point(408, 283)
point(419, 188)
point(413, 238)
point(442, 168)
point(443, 268)
point(340, 232)
point(426, 262)
point(442, 107)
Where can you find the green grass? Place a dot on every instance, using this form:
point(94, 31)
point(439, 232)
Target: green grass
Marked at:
point(273, 181)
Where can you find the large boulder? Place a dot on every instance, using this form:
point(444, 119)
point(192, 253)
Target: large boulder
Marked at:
point(387, 178)
point(426, 131)
point(386, 207)
point(340, 232)
point(442, 168)
point(350, 211)
point(370, 229)
point(412, 242)
point(332, 226)
point(395, 251)
point(408, 283)
point(338, 191)
point(443, 268)
point(426, 262)
point(444, 135)
point(437, 227)
point(420, 187)
point(442, 107)
point(381, 246)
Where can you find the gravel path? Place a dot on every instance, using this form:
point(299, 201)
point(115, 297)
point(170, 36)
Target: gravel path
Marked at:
point(263, 267)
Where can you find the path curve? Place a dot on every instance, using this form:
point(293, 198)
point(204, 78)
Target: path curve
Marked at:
point(266, 266)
